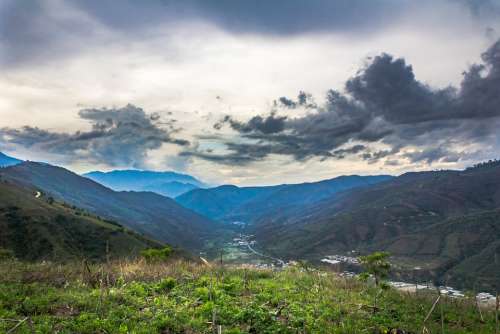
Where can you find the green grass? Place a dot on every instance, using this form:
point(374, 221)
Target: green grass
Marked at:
point(180, 297)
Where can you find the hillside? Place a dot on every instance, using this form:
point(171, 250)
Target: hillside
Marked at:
point(38, 228)
point(219, 202)
point(6, 161)
point(180, 297)
point(144, 212)
point(438, 220)
point(169, 184)
point(461, 250)
point(247, 204)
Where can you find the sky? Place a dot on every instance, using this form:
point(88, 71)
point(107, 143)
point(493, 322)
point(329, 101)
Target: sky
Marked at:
point(251, 92)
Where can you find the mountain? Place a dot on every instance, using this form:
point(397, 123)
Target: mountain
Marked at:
point(219, 202)
point(34, 227)
point(170, 189)
point(247, 204)
point(435, 220)
point(145, 212)
point(169, 184)
point(6, 161)
point(460, 250)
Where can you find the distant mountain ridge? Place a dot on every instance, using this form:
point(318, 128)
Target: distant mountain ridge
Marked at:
point(436, 220)
point(145, 212)
point(6, 161)
point(232, 203)
point(167, 183)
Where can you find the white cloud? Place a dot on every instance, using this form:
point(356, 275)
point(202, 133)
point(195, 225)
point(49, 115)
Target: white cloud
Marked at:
point(198, 72)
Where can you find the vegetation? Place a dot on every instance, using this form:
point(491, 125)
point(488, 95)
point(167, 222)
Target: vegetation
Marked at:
point(231, 203)
point(447, 223)
point(156, 255)
point(377, 265)
point(180, 297)
point(6, 254)
point(147, 213)
point(486, 164)
point(40, 228)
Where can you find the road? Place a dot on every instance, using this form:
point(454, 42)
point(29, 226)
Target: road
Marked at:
point(280, 261)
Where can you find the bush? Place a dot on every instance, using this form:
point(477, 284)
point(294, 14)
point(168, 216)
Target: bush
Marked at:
point(6, 254)
point(156, 255)
point(376, 264)
point(167, 284)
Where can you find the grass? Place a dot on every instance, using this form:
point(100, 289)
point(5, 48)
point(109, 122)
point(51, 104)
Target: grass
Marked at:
point(134, 296)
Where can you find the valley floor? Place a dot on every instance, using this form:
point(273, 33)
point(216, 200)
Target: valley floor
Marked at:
point(179, 297)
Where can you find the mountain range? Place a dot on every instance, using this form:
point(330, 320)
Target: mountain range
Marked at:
point(441, 225)
point(444, 222)
point(232, 203)
point(168, 184)
point(145, 212)
point(6, 161)
point(35, 227)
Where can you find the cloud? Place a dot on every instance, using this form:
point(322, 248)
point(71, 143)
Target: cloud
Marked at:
point(382, 105)
point(36, 30)
point(304, 100)
point(482, 8)
point(118, 137)
point(265, 125)
point(341, 153)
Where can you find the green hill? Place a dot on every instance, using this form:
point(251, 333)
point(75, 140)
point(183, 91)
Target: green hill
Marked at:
point(437, 220)
point(462, 251)
point(179, 297)
point(144, 212)
point(35, 227)
point(247, 204)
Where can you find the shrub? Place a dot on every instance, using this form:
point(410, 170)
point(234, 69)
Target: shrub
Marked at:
point(167, 284)
point(156, 255)
point(377, 265)
point(6, 254)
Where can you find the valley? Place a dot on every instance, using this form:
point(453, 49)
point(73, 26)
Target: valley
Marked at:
point(446, 223)
point(249, 167)
point(241, 250)
point(441, 229)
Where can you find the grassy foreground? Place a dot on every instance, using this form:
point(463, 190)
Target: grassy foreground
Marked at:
point(179, 297)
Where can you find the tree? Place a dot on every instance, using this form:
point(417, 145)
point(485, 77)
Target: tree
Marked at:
point(377, 265)
point(156, 255)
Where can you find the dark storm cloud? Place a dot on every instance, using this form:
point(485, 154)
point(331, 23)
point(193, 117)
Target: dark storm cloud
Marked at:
point(119, 136)
point(265, 125)
point(482, 7)
point(304, 100)
point(430, 155)
point(387, 88)
point(283, 17)
point(373, 157)
point(383, 103)
point(233, 159)
point(341, 153)
point(35, 30)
